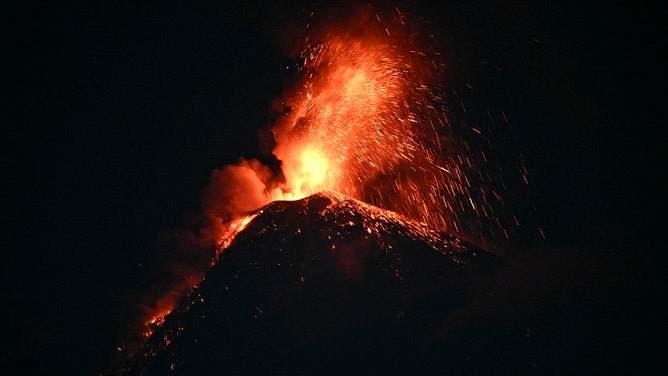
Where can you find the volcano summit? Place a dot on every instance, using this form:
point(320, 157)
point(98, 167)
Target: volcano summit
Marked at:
point(328, 284)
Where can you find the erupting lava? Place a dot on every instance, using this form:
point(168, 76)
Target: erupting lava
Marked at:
point(365, 118)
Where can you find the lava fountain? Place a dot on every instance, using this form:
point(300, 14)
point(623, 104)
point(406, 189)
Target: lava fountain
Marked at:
point(365, 116)
point(363, 121)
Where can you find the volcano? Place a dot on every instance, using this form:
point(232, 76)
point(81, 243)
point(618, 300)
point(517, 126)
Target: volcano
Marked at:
point(329, 284)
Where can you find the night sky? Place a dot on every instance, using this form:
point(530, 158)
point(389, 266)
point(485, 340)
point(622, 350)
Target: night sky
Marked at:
point(116, 115)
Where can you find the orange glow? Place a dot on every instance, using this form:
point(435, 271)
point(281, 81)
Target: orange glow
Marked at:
point(232, 229)
point(156, 321)
point(365, 116)
point(312, 171)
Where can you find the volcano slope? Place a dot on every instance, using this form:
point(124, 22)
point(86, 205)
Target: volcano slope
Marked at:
point(328, 284)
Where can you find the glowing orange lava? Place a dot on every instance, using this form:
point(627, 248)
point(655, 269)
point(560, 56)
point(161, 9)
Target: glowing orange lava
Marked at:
point(365, 119)
point(345, 120)
point(156, 321)
point(231, 230)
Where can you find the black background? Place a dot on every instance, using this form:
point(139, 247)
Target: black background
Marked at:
point(116, 115)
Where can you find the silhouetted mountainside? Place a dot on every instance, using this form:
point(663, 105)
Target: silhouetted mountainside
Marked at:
point(328, 284)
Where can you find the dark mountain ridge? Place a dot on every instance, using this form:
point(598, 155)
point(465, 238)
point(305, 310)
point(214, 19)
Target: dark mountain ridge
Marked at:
point(331, 285)
point(324, 284)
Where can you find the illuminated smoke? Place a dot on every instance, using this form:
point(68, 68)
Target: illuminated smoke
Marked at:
point(234, 191)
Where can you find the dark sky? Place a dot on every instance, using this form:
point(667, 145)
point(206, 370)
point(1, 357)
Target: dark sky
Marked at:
point(117, 115)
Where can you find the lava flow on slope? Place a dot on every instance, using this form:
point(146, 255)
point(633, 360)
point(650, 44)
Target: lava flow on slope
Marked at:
point(327, 284)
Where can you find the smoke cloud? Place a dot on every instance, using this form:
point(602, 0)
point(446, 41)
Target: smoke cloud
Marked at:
point(233, 191)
